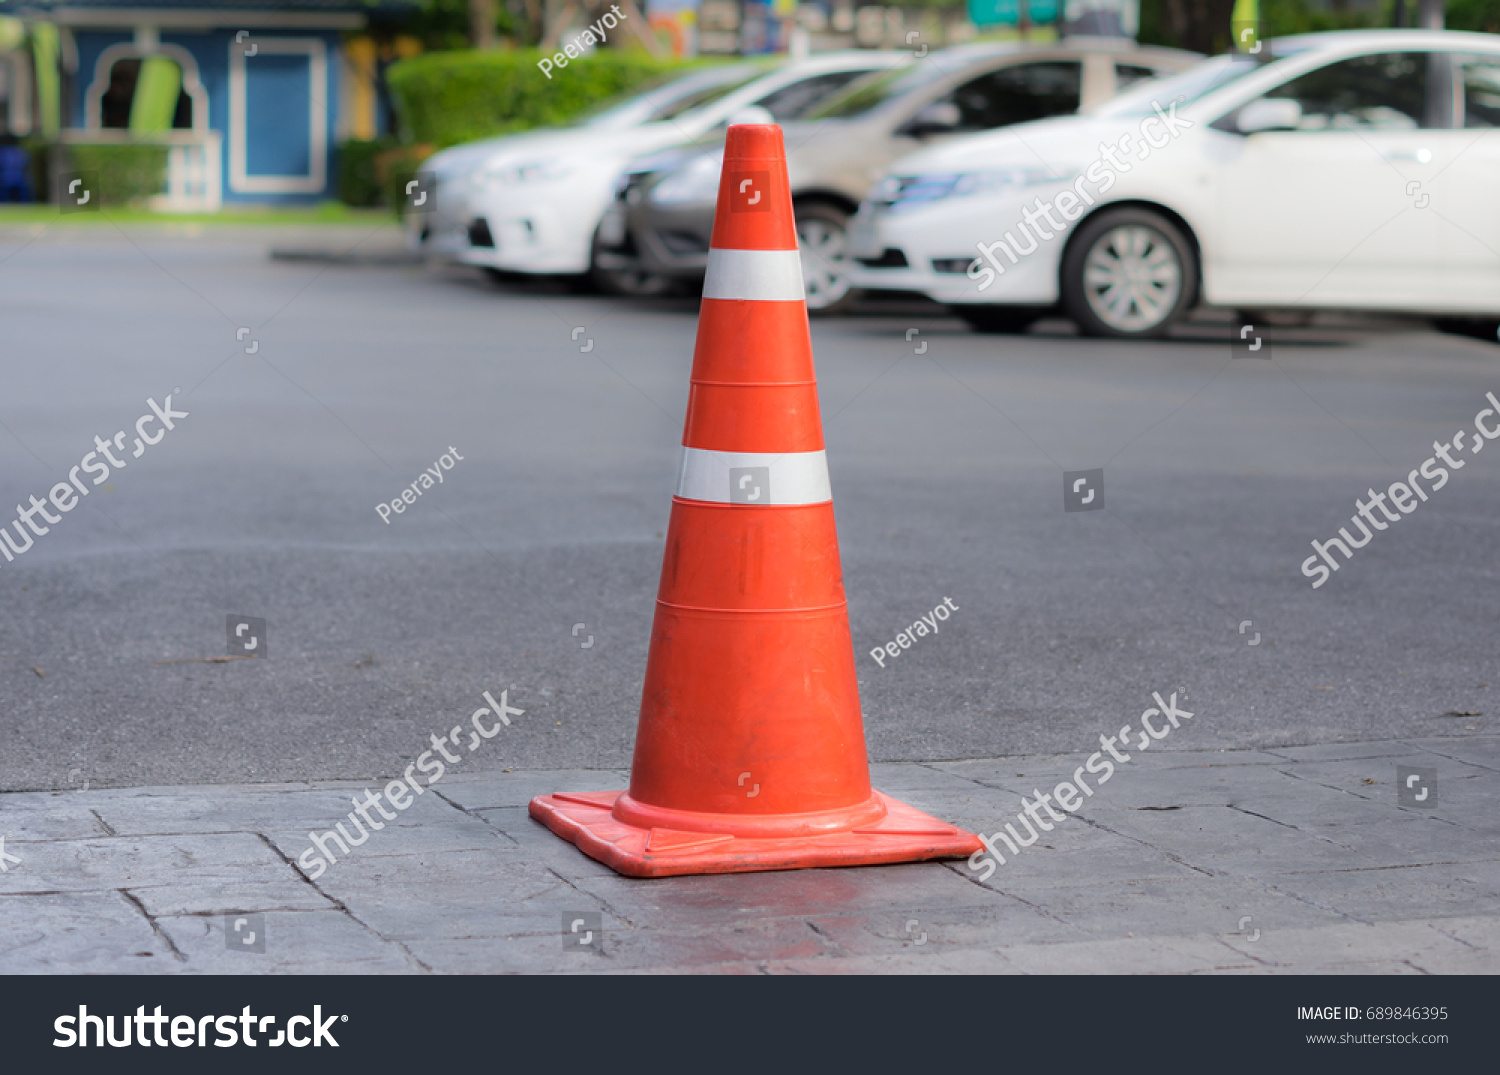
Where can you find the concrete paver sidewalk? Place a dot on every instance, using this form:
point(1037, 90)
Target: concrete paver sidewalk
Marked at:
point(1290, 860)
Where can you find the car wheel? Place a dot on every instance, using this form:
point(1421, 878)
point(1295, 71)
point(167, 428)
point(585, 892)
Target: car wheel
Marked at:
point(1128, 273)
point(628, 281)
point(825, 257)
point(632, 283)
point(1479, 328)
point(998, 319)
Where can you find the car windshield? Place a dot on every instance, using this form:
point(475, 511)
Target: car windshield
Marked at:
point(791, 99)
point(669, 98)
point(1184, 88)
point(877, 88)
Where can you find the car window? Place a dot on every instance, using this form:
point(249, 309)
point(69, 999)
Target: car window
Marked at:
point(673, 109)
point(795, 101)
point(1128, 73)
point(1385, 92)
point(881, 86)
point(1481, 80)
point(1184, 87)
point(1018, 93)
point(665, 97)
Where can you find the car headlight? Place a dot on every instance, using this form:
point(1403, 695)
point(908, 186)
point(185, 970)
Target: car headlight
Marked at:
point(696, 181)
point(507, 173)
point(903, 191)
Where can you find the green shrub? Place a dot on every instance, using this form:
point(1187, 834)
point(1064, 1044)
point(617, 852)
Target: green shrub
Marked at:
point(444, 98)
point(373, 173)
point(1482, 16)
point(396, 164)
point(40, 150)
point(1283, 17)
point(126, 174)
point(358, 181)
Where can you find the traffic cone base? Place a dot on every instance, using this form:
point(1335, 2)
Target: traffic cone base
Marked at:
point(590, 821)
point(642, 815)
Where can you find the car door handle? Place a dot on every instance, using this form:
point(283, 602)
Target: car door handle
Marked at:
point(1421, 156)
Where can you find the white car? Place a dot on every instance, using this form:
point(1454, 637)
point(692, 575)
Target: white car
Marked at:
point(1350, 170)
point(534, 201)
point(443, 230)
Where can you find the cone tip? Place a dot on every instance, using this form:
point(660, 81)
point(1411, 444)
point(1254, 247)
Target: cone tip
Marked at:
point(756, 141)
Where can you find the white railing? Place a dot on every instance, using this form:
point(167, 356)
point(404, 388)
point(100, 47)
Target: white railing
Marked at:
point(194, 181)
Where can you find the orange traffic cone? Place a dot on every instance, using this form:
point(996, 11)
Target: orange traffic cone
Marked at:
point(750, 753)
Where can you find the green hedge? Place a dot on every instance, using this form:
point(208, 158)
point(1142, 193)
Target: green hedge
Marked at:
point(444, 98)
point(374, 173)
point(126, 173)
point(394, 166)
point(358, 179)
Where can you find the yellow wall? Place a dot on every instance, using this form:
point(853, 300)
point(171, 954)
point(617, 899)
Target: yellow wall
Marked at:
point(359, 116)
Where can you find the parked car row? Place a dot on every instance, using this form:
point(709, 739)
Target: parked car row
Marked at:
point(549, 201)
point(532, 202)
point(1117, 184)
point(663, 213)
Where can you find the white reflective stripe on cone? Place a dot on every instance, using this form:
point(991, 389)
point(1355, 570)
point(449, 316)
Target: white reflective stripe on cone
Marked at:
point(763, 478)
point(764, 275)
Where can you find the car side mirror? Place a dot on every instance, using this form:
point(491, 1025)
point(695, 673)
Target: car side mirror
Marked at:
point(940, 117)
point(1269, 114)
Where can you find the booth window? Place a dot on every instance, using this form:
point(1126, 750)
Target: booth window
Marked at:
point(145, 95)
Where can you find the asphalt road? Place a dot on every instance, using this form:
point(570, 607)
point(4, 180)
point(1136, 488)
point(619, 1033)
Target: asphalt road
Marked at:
point(947, 471)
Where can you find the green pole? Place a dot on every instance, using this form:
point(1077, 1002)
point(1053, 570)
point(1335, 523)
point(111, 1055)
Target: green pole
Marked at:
point(1244, 26)
point(156, 88)
point(45, 51)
